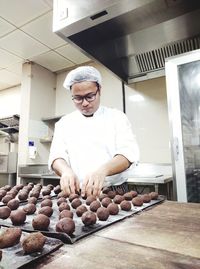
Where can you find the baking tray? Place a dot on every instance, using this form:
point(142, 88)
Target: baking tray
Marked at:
point(81, 230)
point(52, 194)
point(14, 257)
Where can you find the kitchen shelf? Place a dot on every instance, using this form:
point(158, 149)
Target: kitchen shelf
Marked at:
point(50, 122)
point(10, 124)
point(51, 119)
point(45, 140)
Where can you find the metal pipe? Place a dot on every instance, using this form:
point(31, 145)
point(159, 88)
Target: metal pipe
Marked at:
point(123, 97)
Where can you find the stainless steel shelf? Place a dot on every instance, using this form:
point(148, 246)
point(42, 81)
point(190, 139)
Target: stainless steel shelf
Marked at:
point(10, 124)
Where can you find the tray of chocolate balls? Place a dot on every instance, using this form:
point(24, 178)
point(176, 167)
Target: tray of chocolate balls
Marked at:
point(21, 193)
point(18, 248)
point(70, 218)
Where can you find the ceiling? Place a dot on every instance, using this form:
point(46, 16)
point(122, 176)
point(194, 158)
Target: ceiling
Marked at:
point(26, 35)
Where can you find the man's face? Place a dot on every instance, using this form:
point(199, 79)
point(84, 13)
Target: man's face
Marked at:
point(88, 105)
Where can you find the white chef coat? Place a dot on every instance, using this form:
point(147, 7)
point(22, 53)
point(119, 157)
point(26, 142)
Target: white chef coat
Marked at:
point(88, 142)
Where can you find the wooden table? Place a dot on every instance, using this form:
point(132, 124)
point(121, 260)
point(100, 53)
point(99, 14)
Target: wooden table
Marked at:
point(165, 236)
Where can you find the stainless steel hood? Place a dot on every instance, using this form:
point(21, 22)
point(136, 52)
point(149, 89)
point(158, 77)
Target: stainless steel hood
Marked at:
point(131, 38)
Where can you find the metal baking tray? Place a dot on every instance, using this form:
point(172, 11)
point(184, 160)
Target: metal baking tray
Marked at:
point(14, 257)
point(81, 230)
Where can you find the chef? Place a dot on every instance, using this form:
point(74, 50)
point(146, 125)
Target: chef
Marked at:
point(93, 146)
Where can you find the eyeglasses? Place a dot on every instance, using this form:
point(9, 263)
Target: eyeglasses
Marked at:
point(90, 97)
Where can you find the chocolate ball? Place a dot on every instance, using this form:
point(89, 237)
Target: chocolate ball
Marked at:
point(125, 205)
point(63, 206)
point(102, 213)
point(46, 202)
point(118, 199)
point(61, 200)
point(76, 202)
point(40, 222)
point(19, 186)
point(134, 193)
point(73, 196)
point(66, 214)
point(94, 206)
point(6, 199)
point(22, 195)
point(4, 212)
point(57, 189)
point(105, 190)
point(89, 218)
point(29, 209)
point(128, 196)
point(31, 184)
point(32, 200)
point(102, 196)
point(50, 186)
point(154, 195)
point(27, 188)
point(46, 210)
point(11, 193)
point(13, 204)
point(46, 191)
point(35, 194)
point(65, 225)
point(90, 199)
point(80, 210)
point(106, 201)
point(18, 216)
point(2, 193)
point(7, 187)
point(33, 243)
point(137, 201)
point(113, 209)
point(63, 194)
point(38, 186)
point(111, 194)
point(146, 198)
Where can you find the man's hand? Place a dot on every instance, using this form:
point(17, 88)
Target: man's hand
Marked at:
point(69, 183)
point(93, 183)
point(68, 179)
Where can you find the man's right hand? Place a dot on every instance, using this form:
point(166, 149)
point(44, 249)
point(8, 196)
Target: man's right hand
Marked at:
point(69, 183)
point(68, 179)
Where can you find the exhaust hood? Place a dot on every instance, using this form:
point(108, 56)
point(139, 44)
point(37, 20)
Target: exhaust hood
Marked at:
point(131, 38)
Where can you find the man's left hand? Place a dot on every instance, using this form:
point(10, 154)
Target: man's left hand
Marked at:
point(93, 183)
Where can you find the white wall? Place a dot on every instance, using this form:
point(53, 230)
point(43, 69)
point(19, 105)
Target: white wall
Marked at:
point(148, 117)
point(9, 105)
point(10, 101)
point(37, 102)
point(148, 113)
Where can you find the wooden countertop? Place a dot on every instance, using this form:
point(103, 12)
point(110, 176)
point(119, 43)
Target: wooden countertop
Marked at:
point(164, 236)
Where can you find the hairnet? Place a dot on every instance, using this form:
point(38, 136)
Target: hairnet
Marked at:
point(82, 73)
